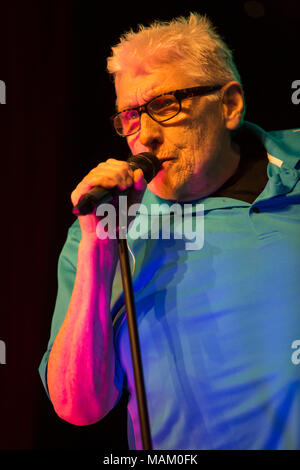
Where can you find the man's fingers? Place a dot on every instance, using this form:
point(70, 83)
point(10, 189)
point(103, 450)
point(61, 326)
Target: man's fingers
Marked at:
point(109, 174)
point(139, 180)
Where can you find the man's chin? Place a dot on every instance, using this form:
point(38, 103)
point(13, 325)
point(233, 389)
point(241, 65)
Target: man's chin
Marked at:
point(166, 189)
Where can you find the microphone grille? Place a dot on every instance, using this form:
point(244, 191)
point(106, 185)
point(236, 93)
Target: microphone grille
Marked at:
point(147, 162)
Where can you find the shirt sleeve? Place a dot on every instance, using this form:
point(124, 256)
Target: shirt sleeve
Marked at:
point(66, 274)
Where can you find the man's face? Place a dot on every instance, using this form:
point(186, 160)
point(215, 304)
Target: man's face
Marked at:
point(193, 144)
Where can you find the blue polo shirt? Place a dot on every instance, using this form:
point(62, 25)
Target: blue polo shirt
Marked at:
point(217, 325)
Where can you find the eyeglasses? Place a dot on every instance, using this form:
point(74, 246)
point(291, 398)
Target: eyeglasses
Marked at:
point(160, 109)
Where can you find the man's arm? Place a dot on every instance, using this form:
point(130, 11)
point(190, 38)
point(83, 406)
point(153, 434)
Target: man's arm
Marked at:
point(81, 366)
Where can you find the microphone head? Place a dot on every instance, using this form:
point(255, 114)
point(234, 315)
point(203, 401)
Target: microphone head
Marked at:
point(147, 162)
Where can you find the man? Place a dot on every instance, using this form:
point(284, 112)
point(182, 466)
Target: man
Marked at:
point(216, 325)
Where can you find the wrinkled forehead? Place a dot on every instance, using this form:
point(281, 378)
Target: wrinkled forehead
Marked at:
point(136, 87)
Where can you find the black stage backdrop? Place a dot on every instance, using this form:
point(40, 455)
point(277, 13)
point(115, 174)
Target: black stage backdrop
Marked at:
point(53, 128)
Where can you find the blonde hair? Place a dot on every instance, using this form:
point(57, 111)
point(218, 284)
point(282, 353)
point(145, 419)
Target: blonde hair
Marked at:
point(191, 43)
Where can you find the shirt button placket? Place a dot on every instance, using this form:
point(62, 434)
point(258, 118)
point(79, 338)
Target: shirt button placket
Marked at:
point(254, 220)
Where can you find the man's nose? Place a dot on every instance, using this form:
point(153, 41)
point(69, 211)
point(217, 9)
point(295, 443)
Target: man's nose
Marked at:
point(151, 133)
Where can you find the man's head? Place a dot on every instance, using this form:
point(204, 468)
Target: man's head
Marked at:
point(165, 57)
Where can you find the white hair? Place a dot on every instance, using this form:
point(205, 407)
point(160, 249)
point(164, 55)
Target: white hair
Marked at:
point(191, 43)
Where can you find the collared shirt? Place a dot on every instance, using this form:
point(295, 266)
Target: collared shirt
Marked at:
point(217, 324)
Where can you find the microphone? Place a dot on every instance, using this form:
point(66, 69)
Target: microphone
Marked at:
point(147, 162)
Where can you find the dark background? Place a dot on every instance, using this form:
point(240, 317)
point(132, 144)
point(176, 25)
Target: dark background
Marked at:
point(54, 128)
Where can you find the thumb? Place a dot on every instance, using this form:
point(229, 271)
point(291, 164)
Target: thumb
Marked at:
point(139, 181)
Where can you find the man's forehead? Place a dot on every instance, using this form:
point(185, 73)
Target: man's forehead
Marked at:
point(135, 90)
point(137, 96)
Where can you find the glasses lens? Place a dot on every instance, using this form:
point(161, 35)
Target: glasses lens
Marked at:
point(163, 108)
point(127, 123)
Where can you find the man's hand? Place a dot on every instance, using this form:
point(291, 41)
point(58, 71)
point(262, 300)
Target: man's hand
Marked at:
point(109, 174)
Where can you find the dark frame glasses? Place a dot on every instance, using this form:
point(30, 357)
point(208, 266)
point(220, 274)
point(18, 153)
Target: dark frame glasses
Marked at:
point(179, 95)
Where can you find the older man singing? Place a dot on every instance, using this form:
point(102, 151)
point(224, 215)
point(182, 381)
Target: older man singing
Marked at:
point(216, 325)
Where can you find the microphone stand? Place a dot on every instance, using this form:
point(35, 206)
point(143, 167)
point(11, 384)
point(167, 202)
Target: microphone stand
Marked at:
point(134, 340)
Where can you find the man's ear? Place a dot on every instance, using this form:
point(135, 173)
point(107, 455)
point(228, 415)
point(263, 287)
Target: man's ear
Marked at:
point(233, 104)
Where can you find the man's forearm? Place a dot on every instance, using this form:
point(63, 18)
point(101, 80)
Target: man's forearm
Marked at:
point(81, 365)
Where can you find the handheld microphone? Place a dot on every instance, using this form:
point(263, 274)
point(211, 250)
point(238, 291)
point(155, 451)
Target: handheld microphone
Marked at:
point(147, 162)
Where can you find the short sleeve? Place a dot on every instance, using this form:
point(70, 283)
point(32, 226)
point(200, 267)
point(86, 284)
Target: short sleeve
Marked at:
point(66, 273)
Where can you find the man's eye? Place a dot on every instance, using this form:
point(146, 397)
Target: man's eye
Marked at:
point(162, 104)
point(131, 114)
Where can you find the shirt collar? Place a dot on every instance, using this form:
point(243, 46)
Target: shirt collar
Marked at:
point(282, 146)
